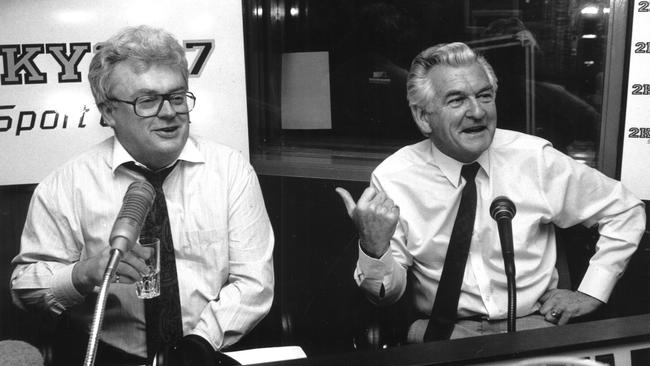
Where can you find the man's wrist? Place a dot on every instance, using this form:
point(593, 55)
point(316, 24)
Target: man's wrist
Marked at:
point(80, 280)
point(595, 299)
point(370, 253)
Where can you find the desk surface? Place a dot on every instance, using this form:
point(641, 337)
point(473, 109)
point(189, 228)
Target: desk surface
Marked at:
point(596, 335)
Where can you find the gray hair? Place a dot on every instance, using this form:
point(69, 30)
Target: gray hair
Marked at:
point(144, 46)
point(419, 88)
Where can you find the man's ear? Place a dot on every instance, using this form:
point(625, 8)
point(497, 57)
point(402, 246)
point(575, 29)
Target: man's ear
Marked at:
point(107, 115)
point(420, 118)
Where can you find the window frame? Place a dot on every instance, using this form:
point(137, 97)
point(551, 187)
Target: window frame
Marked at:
point(347, 163)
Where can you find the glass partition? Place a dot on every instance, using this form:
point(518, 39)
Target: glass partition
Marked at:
point(326, 79)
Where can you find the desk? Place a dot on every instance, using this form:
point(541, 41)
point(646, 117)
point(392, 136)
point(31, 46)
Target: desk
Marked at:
point(626, 341)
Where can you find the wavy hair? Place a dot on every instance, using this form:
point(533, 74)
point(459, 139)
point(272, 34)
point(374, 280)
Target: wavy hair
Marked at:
point(420, 89)
point(143, 46)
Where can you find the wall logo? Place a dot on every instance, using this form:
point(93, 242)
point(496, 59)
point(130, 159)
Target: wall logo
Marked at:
point(639, 133)
point(20, 67)
point(19, 61)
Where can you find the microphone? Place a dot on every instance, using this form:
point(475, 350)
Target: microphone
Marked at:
point(502, 211)
point(137, 202)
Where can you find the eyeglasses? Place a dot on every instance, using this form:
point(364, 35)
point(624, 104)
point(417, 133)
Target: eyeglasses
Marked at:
point(150, 105)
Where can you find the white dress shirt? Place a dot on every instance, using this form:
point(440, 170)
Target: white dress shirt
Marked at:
point(223, 243)
point(546, 186)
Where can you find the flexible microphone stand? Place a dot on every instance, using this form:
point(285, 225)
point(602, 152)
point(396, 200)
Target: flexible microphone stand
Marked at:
point(503, 210)
point(512, 300)
point(505, 231)
point(126, 229)
point(98, 317)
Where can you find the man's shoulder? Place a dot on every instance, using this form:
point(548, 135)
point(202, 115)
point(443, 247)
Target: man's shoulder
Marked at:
point(101, 152)
point(95, 156)
point(81, 167)
point(511, 149)
point(220, 156)
point(213, 148)
point(512, 140)
point(405, 158)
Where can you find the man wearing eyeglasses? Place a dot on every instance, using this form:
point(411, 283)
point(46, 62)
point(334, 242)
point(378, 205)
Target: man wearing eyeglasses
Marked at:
point(219, 231)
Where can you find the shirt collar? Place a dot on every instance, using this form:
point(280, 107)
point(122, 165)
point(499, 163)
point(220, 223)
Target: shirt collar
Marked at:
point(190, 153)
point(451, 167)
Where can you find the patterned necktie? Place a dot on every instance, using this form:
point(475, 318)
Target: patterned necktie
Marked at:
point(445, 306)
point(162, 313)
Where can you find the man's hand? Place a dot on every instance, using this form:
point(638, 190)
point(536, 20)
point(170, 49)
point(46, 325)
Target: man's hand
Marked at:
point(558, 306)
point(89, 273)
point(375, 216)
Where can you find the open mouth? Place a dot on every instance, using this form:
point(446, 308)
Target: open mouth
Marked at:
point(475, 129)
point(168, 129)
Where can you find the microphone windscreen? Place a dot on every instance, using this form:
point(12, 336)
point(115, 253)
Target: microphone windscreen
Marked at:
point(19, 353)
point(502, 207)
point(137, 202)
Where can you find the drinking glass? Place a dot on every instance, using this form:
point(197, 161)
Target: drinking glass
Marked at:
point(149, 286)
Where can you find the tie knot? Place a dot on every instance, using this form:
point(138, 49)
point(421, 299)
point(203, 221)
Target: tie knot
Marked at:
point(469, 171)
point(156, 178)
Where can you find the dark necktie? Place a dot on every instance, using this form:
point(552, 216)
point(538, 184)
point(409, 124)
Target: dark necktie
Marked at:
point(445, 306)
point(162, 313)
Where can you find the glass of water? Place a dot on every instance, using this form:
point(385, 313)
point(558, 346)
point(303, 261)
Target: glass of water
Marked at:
point(149, 287)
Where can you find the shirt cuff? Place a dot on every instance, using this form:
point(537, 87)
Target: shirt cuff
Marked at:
point(374, 268)
point(370, 273)
point(63, 290)
point(598, 282)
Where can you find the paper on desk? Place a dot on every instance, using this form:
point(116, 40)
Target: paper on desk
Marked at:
point(269, 354)
point(305, 91)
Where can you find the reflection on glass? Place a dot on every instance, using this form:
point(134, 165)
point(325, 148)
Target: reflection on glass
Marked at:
point(548, 55)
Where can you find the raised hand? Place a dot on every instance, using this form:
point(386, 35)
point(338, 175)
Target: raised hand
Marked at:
point(375, 216)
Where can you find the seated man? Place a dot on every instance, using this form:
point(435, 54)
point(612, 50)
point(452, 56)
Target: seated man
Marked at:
point(215, 233)
point(407, 219)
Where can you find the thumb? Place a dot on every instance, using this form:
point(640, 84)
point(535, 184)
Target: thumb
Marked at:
point(347, 200)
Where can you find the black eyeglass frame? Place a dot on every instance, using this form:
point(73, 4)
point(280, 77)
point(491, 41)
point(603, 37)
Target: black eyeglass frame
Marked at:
point(165, 97)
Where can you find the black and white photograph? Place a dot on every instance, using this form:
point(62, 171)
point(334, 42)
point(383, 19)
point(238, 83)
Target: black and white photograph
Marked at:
point(324, 182)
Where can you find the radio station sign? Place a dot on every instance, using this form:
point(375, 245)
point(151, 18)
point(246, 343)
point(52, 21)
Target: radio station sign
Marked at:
point(47, 112)
point(635, 170)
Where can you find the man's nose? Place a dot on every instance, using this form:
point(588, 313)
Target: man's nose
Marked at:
point(475, 109)
point(166, 110)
